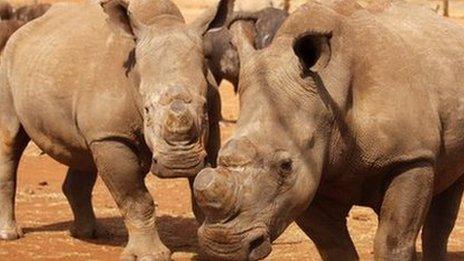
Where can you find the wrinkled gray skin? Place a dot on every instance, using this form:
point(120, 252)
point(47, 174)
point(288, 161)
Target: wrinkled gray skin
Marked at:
point(30, 12)
point(348, 106)
point(128, 86)
point(6, 10)
point(222, 56)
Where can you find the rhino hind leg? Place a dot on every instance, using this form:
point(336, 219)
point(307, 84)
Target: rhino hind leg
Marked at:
point(404, 207)
point(325, 223)
point(440, 221)
point(120, 168)
point(13, 141)
point(77, 188)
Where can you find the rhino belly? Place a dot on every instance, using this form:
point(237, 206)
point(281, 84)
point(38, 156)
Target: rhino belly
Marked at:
point(50, 122)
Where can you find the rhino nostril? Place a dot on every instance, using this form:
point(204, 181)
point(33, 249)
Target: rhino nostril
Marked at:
point(255, 243)
point(259, 247)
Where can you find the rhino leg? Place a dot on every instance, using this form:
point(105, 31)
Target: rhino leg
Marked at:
point(78, 187)
point(403, 211)
point(325, 223)
point(120, 169)
point(440, 221)
point(13, 141)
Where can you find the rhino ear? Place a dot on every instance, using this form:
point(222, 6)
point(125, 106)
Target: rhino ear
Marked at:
point(243, 35)
point(214, 18)
point(118, 17)
point(313, 50)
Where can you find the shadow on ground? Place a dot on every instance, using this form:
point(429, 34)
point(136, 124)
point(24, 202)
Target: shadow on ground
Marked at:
point(178, 233)
point(452, 256)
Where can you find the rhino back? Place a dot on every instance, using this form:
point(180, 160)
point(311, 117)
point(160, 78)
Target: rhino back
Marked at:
point(407, 82)
point(66, 74)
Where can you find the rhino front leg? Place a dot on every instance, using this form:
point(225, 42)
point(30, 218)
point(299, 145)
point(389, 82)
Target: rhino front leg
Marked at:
point(404, 207)
point(440, 222)
point(325, 223)
point(120, 169)
point(13, 141)
point(77, 188)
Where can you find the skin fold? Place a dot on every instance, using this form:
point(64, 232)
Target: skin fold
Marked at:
point(347, 106)
point(111, 88)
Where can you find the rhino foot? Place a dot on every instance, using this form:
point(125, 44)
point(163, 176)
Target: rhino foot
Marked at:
point(11, 233)
point(159, 254)
point(89, 233)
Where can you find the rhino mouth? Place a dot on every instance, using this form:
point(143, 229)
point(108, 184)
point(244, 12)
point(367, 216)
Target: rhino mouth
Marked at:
point(179, 160)
point(225, 244)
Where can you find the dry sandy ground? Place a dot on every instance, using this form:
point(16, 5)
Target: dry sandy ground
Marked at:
point(45, 216)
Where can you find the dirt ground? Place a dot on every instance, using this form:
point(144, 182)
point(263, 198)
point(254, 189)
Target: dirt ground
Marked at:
point(45, 216)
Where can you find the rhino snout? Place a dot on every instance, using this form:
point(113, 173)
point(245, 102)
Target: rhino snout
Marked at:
point(179, 125)
point(216, 193)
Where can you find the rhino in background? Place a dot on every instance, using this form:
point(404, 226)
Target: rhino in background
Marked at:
point(114, 89)
point(6, 10)
point(347, 106)
point(30, 12)
point(12, 20)
point(222, 56)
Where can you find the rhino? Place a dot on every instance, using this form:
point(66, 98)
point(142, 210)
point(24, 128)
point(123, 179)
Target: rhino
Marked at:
point(126, 91)
point(222, 57)
point(6, 10)
point(30, 12)
point(347, 106)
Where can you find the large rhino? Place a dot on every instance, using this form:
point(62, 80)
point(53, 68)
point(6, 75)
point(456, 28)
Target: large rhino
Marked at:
point(348, 106)
point(114, 91)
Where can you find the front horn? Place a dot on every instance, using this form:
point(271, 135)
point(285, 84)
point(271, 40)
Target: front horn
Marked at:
point(216, 193)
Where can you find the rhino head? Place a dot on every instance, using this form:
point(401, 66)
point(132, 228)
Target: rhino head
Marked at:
point(168, 65)
point(270, 169)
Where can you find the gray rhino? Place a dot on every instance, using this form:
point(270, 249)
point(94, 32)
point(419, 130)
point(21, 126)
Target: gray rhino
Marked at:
point(347, 106)
point(111, 91)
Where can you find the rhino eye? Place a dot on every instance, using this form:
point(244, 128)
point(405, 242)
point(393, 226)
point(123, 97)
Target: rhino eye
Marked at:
point(286, 166)
point(283, 163)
